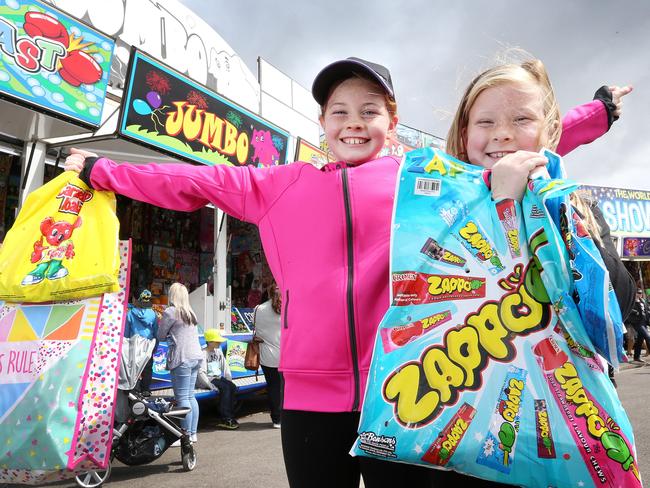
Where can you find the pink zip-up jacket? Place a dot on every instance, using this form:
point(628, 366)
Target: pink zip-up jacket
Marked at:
point(326, 235)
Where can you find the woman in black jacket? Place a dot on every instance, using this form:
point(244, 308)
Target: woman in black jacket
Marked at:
point(639, 319)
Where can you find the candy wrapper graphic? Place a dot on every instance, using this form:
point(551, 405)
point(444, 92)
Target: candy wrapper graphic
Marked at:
point(404, 334)
point(413, 288)
point(507, 212)
point(438, 253)
point(507, 387)
point(604, 446)
point(498, 447)
point(545, 445)
point(441, 451)
point(472, 236)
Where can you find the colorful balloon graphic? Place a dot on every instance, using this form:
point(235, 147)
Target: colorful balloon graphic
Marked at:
point(153, 97)
point(141, 107)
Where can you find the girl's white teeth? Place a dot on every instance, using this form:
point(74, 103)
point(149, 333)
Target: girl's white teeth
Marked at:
point(353, 140)
point(497, 154)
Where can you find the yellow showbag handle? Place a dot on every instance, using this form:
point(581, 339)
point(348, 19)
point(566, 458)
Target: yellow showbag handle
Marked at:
point(63, 245)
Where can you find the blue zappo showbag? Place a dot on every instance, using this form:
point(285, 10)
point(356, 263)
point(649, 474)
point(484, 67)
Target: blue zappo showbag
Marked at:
point(483, 363)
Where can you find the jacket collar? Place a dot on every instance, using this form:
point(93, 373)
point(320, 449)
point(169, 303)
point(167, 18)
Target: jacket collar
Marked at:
point(342, 164)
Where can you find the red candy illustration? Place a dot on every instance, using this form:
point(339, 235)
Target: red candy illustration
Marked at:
point(550, 353)
point(403, 334)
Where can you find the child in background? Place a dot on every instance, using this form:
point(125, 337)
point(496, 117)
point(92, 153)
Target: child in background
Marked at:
point(215, 374)
point(142, 320)
point(326, 235)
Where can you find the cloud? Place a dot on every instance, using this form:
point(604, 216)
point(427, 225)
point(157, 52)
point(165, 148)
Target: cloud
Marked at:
point(434, 48)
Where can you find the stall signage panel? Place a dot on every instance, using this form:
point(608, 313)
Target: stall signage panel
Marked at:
point(54, 62)
point(405, 139)
point(168, 111)
point(310, 153)
point(626, 211)
point(636, 247)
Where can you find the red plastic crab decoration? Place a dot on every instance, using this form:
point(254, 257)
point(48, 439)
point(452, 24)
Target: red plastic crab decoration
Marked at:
point(77, 66)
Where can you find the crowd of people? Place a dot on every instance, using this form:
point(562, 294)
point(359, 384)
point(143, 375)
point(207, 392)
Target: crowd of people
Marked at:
point(192, 368)
point(335, 225)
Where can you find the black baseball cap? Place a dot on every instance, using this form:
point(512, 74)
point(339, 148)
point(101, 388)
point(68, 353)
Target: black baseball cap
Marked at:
point(343, 69)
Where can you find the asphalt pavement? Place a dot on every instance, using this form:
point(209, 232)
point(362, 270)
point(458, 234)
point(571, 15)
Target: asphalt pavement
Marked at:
point(251, 456)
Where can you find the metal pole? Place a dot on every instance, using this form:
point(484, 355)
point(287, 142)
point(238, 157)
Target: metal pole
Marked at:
point(28, 168)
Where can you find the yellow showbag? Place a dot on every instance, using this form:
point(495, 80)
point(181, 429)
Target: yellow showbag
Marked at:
point(63, 245)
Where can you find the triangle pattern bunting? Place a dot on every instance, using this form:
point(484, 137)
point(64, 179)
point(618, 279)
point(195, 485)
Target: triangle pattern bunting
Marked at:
point(59, 316)
point(37, 316)
point(21, 330)
point(69, 330)
point(5, 324)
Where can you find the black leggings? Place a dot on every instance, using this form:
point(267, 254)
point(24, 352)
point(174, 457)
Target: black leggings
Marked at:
point(316, 450)
point(274, 389)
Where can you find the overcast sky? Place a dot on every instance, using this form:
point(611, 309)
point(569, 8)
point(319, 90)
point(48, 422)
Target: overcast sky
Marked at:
point(434, 48)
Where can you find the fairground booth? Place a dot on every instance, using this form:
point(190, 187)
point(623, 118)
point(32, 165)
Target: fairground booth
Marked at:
point(168, 90)
point(54, 73)
point(627, 213)
point(74, 79)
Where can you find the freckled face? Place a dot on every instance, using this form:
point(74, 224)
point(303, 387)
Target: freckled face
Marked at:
point(356, 121)
point(504, 119)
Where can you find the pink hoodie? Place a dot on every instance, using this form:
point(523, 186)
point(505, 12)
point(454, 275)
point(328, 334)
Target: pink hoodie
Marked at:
point(326, 235)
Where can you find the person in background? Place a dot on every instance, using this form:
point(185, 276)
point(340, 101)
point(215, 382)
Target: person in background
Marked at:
point(266, 320)
point(215, 374)
point(142, 320)
point(639, 319)
point(178, 327)
point(254, 294)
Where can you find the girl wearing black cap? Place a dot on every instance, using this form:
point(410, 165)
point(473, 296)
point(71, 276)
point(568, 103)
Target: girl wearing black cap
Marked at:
point(326, 234)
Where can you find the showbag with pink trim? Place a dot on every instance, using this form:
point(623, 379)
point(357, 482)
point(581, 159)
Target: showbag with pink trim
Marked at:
point(59, 366)
point(483, 363)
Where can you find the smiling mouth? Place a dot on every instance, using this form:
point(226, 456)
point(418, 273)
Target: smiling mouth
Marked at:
point(499, 155)
point(354, 141)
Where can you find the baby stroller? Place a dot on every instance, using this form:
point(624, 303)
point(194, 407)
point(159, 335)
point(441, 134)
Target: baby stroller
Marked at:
point(148, 431)
point(144, 427)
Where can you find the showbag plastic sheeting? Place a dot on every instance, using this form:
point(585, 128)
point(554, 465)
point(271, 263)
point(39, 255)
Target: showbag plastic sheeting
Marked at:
point(483, 363)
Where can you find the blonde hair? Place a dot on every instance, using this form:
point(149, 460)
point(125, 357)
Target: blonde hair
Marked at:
point(391, 104)
point(179, 298)
point(584, 208)
point(530, 72)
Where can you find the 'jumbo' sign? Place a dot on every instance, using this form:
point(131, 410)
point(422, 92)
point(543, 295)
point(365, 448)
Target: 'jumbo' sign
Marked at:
point(54, 62)
point(626, 211)
point(170, 112)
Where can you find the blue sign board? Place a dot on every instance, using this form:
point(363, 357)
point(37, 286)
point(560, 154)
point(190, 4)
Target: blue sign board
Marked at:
point(52, 61)
point(626, 211)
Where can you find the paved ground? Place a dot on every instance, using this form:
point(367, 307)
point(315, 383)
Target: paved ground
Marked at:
point(252, 457)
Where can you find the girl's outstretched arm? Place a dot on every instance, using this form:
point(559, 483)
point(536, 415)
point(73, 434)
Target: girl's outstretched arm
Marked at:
point(241, 191)
point(586, 123)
